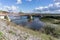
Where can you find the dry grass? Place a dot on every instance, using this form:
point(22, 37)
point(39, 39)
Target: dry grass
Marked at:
point(43, 36)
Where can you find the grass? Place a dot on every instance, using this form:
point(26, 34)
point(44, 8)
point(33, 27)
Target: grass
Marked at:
point(47, 37)
point(11, 32)
point(1, 34)
point(53, 31)
point(51, 20)
point(29, 31)
point(44, 36)
point(51, 27)
point(41, 35)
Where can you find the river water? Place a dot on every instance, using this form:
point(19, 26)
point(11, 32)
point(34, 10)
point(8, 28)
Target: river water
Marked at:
point(35, 24)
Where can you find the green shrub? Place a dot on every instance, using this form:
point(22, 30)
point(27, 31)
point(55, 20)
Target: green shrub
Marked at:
point(11, 32)
point(51, 31)
point(1, 34)
point(6, 17)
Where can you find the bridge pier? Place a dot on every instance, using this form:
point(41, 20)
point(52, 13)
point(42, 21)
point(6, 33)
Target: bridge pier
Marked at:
point(7, 18)
point(30, 18)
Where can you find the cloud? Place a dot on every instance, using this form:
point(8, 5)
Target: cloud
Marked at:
point(57, 4)
point(12, 8)
point(56, 0)
point(40, 8)
point(29, 0)
point(19, 1)
point(50, 5)
point(55, 7)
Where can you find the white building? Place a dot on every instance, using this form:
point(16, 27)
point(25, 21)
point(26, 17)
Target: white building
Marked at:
point(3, 14)
point(2, 17)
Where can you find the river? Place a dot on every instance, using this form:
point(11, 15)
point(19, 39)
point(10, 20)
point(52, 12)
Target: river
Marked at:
point(35, 24)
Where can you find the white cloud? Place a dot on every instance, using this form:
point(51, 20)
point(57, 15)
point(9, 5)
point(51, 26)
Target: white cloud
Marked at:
point(12, 8)
point(39, 8)
point(46, 7)
point(50, 5)
point(59, 10)
point(56, 0)
point(55, 7)
point(29, 0)
point(19, 1)
point(57, 4)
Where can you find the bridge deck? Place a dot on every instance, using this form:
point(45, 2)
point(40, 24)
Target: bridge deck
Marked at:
point(27, 14)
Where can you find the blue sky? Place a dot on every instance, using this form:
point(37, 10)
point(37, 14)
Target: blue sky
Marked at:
point(30, 5)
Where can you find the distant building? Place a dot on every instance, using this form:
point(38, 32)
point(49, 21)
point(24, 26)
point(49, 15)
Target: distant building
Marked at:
point(3, 14)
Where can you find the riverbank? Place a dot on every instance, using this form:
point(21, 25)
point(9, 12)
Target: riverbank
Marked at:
point(52, 27)
point(11, 31)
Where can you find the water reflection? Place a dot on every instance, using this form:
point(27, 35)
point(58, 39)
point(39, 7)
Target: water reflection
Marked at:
point(35, 24)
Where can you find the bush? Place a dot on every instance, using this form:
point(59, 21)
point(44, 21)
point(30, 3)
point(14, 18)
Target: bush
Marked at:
point(51, 31)
point(6, 17)
point(1, 34)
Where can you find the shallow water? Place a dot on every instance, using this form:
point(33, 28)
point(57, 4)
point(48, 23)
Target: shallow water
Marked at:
point(35, 24)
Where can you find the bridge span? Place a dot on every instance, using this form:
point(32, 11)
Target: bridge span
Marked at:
point(33, 14)
point(30, 15)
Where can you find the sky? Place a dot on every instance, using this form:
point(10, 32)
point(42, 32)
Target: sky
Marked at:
point(30, 6)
